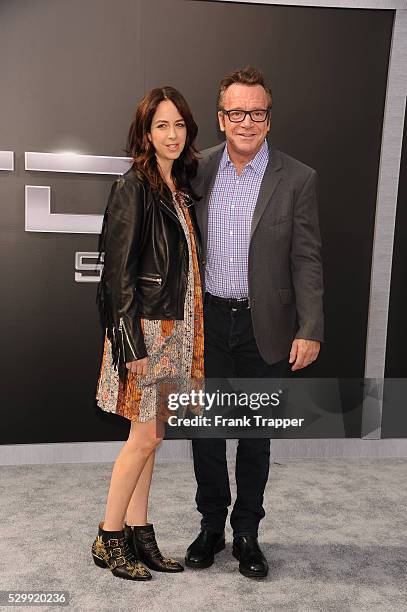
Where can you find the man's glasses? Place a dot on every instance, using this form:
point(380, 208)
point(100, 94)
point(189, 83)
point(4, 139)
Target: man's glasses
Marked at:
point(237, 116)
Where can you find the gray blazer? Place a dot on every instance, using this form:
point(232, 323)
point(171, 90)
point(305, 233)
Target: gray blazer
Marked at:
point(284, 268)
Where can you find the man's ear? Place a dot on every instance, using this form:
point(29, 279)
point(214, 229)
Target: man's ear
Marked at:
point(268, 123)
point(221, 119)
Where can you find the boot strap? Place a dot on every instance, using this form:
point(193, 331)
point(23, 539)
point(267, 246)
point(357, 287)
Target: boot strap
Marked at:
point(117, 562)
point(112, 542)
point(119, 554)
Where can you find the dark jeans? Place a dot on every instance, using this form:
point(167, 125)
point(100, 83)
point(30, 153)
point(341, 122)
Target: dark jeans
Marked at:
point(231, 352)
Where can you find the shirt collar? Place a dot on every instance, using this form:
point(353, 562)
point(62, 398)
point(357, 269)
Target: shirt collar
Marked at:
point(258, 163)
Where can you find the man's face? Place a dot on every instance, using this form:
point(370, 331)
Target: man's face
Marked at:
point(246, 138)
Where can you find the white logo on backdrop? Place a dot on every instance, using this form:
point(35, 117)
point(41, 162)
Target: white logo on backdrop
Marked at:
point(87, 267)
point(7, 160)
point(38, 215)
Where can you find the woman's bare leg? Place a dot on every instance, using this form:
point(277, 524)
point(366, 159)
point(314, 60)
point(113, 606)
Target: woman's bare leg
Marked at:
point(137, 509)
point(127, 469)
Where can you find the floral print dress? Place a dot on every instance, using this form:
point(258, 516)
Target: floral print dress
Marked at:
point(174, 348)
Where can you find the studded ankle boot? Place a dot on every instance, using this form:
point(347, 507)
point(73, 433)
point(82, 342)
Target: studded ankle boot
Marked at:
point(148, 552)
point(113, 549)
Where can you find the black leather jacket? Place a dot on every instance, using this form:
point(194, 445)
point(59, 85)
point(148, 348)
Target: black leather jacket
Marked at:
point(145, 264)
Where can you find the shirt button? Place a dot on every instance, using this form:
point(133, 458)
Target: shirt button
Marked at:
point(231, 259)
point(231, 233)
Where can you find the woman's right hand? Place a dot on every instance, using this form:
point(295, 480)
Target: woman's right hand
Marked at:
point(138, 367)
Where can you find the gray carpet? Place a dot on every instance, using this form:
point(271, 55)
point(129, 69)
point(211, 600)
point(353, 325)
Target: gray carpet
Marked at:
point(335, 535)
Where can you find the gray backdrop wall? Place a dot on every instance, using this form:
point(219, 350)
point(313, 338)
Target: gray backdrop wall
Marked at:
point(71, 78)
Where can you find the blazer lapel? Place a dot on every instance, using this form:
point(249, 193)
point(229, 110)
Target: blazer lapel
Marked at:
point(270, 181)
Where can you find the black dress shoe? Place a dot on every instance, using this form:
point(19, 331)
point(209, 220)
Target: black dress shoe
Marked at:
point(202, 551)
point(252, 562)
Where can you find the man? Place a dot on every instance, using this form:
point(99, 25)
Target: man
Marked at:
point(263, 303)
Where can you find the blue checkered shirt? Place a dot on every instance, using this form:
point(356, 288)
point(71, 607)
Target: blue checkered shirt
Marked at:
point(230, 212)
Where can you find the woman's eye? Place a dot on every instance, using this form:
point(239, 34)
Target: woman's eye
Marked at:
point(161, 125)
point(180, 125)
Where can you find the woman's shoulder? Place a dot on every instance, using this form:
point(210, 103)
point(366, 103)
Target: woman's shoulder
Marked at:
point(128, 191)
point(133, 177)
point(131, 182)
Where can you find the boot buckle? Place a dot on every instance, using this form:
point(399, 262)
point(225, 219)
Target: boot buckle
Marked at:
point(114, 542)
point(115, 562)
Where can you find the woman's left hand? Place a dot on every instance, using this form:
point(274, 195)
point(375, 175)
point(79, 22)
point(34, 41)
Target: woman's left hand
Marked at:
point(138, 367)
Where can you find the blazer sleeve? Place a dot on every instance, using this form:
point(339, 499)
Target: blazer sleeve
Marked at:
point(306, 262)
point(120, 242)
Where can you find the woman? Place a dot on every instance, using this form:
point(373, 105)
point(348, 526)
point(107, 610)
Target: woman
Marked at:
point(150, 300)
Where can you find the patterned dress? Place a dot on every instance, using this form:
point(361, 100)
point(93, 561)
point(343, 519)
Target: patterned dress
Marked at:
point(174, 348)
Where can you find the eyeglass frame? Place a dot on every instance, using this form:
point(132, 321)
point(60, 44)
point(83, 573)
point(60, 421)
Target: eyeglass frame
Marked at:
point(226, 112)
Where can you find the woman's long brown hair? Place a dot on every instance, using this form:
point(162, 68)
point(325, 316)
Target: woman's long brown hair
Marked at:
point(142, 151)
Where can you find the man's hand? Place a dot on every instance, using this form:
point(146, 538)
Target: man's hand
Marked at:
point(138, 367)
point(303, 353)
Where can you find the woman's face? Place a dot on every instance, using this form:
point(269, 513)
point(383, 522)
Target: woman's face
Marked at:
point(168, 132)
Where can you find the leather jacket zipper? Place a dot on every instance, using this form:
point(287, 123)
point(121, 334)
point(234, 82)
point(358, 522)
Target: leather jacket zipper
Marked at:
point(151, 279)
point(123, 328)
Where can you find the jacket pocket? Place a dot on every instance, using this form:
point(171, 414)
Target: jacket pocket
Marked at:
point(286, 296)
